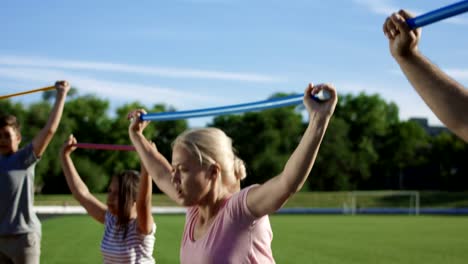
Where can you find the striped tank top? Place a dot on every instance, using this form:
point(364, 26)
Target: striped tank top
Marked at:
point(134, 248)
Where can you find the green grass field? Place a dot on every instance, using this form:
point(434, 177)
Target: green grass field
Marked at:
point(297, 239)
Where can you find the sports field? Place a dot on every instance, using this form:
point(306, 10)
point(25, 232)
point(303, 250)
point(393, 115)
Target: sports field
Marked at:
point(297, 239)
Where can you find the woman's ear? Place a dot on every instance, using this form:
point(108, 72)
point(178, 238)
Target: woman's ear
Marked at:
point(214, 171)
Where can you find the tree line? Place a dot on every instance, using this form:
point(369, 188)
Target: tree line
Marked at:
point(366, 147)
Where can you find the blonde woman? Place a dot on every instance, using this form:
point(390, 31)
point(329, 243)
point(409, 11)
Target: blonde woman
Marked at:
point(222, 226)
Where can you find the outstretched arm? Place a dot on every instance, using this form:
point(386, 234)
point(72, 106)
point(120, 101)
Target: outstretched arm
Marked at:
point(80, 191)
point(143, 204)
point(447, 98)
point(272, 195)
point(157, 165)
point(42, 140)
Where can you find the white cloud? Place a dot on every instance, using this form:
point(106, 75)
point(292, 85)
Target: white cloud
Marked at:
point(379, 7)
point(117, 93)
point(114, 91)
point(401, 93)
point(40, 62)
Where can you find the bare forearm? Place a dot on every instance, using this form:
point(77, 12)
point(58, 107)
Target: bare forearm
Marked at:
point(272, 195)
point(144, 193)
point(56, 113)
point(154, 162)
point(41, 141)
point(447, 98)
point(145, 218)
point(301, 161)
point(77, 187)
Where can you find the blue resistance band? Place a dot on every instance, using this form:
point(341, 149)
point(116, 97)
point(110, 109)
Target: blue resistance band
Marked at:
point(438, 14)
point(223, 110)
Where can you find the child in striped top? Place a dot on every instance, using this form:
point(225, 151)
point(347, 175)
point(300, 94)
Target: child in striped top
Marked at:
point(131, 247)
point(129, 234)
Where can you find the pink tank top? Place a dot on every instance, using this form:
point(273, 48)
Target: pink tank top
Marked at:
point(235, 236)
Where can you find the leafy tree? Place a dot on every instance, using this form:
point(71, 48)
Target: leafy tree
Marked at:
point(7, 107)
point(86, 118)
point(449, 154)
point(165, 132)
point(335, 161)
point(403, 147)
point(366, 145)
point(162, 133)
point(264, 140)
point(369, 118)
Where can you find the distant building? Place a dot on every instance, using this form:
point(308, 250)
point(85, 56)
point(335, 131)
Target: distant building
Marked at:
point(431, 130)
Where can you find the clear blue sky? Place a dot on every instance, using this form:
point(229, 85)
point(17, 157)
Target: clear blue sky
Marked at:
point(206, 53)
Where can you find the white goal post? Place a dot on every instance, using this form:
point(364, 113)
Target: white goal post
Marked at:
point(378, 202)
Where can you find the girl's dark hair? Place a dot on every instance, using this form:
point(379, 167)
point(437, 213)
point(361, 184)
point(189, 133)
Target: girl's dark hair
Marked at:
point(128, 189)
point(10, 120)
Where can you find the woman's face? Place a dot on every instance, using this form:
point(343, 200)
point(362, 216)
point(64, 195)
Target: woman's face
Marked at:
point(191, 180)
point(113, 196)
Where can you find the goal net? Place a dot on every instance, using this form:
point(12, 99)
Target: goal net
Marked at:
point(382, 202)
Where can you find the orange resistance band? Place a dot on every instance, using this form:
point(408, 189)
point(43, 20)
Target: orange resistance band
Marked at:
point(28, 92)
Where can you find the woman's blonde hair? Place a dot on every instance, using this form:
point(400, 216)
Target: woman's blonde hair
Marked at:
point(212, 146)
